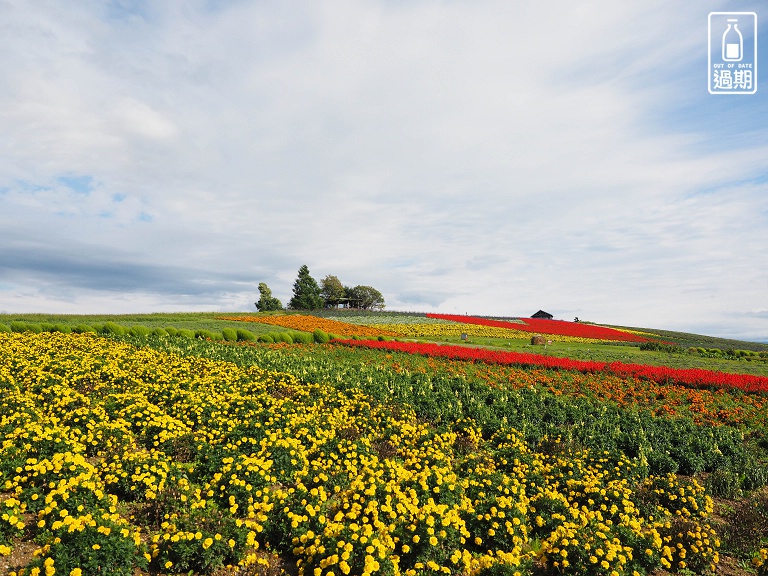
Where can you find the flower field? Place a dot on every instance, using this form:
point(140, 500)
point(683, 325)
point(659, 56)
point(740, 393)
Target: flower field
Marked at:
point(555, 328)
point(445, 325)
point(694, 378)
point(414, 330)
point(311, 323)
point(187, 456)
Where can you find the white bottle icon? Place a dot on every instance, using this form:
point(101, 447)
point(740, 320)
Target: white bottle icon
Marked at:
point(733, 42)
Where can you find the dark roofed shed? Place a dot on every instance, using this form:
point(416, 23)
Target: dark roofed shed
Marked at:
point(542, 314)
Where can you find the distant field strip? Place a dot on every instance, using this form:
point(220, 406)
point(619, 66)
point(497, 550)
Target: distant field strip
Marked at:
point(389, 319)
point(475, 330)
point(638, 332)
point(441, 330)
point(421, 327)
point(307, 323)
point(561, 328)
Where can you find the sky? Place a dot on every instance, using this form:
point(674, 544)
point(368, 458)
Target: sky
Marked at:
point(491, 158)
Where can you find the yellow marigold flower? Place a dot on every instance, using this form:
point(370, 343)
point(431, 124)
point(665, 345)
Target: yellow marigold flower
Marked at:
point(207, 543)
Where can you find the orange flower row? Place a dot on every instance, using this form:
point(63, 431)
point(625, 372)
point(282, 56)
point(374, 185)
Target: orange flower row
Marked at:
point(307, 323)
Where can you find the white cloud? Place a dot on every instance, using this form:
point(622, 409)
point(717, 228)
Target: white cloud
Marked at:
point(495, 159)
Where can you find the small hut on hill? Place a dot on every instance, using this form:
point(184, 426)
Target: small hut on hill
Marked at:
point(543, 315)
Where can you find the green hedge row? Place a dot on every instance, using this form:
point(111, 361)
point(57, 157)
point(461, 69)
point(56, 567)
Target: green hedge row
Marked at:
point(226, 334)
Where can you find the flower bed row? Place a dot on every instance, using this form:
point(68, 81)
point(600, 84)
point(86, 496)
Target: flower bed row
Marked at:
point(453, 329)
point(691, 377)
point(557, 327)
point(308, 323)
point(378, 318)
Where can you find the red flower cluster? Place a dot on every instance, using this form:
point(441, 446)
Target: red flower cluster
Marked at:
point(540, 326)
point(691, 378)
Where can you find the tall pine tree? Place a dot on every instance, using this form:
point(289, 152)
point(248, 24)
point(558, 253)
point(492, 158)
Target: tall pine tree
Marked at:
point(306, 292)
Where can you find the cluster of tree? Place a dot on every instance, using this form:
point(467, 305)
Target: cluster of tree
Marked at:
point(330, 293)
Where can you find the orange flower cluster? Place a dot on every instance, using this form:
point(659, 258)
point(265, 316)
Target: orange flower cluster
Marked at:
point(308, 323)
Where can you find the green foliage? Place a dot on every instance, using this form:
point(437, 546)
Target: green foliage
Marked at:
point(207, 335)
point(661, 347)
point(245, 335)
point(320, 336)
point(332, 291)
point(26, 327)
point(229, 334)
point(221, 541)
point(284, 337)
point(729, 354)
point(5, 328)
point(185, 333)
point(755, 476)
point(112, 328)
point(302, 337)
point(724, 483)
point(139, 331)
point(83, 328)
point(366, 297)
point(267, 302)
point(306, 292)
point(160, 332)
point(94, 552)
point(266, 338)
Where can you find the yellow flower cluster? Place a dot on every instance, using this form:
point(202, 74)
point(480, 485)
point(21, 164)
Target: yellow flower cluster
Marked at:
point(218, 462)
point(760, 561)
point(434, 330)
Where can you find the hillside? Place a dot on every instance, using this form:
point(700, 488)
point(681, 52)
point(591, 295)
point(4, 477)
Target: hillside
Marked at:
point(392, 444)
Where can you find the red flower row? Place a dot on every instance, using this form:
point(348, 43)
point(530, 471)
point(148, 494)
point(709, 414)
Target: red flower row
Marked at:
point(691, 377)
point(561, 327)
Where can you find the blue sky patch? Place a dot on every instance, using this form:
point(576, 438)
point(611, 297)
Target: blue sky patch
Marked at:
point(78, 184)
